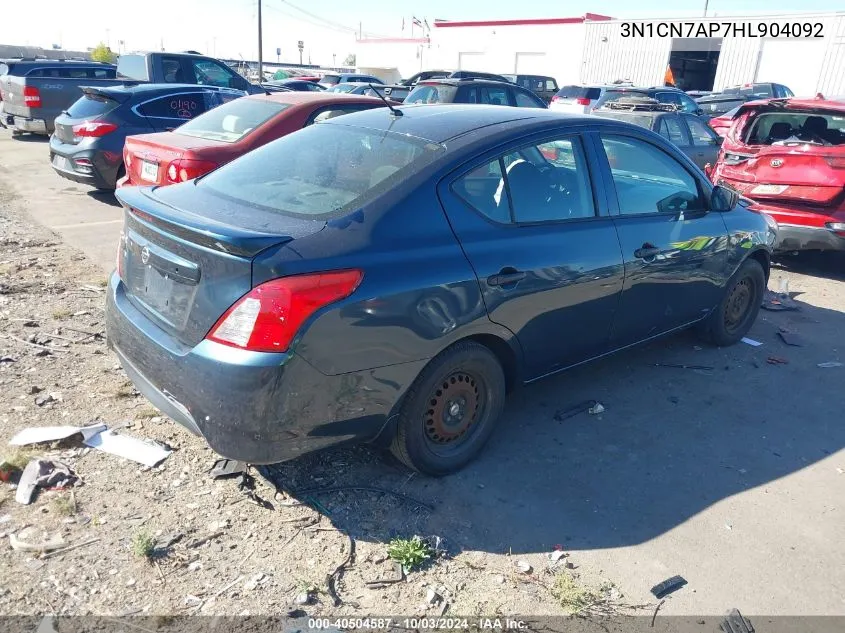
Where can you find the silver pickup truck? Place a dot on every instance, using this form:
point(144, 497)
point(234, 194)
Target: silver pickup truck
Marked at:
point(35, 92)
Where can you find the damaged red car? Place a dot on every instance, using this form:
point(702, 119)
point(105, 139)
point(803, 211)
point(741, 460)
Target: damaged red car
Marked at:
point(788, 155)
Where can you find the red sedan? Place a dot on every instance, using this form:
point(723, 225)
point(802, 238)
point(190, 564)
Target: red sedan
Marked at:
point(788, 155)
point(227, 132)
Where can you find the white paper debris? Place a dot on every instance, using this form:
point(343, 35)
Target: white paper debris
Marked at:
point(129, 447)
point(751, 342)
point(829, 364)
point(39, 434)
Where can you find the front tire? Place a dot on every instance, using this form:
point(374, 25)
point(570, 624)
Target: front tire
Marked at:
point(451, 410)
point(738, 309)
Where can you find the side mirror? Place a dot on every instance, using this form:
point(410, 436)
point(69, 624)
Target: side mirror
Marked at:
point(723, 199)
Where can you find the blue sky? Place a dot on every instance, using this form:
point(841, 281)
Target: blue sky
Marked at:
point(227, 28)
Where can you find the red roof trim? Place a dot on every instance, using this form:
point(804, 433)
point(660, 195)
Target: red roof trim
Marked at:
point(532, 21)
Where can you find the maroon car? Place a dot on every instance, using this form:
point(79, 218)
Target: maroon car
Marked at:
point(230, 130)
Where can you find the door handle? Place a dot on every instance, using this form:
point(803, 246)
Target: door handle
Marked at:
point(506, 277)
point(647, 251)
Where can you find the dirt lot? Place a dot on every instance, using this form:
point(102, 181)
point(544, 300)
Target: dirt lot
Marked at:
point(732, 477)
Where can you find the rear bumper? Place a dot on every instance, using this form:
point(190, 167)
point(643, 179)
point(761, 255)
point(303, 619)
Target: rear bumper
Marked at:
point(256, 407)
point(24, 124)
point(100, 174)
point(803, 238)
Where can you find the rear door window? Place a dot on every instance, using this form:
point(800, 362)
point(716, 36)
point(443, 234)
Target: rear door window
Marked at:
point(670, 128)
point(495, 95)
point(172, 72)
point(551, 85)
point(183, 106)
point(435, 93)
point(701, 134)
point(524, 100)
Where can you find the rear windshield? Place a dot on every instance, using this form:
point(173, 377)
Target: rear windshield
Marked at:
point(717, 107)
point(643, 120)
point(579, 92)
point(794, 128)
point(337, 170)
point(91, 106)
point(615, 95)
point(756, 90)
point(394, 93)
point(330, 79)
point(437, 93)
point(232, 121)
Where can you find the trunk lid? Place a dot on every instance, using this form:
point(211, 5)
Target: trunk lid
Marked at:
point(183, 268)
point(147, 156)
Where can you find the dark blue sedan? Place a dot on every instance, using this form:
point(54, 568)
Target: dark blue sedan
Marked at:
point(390, 277)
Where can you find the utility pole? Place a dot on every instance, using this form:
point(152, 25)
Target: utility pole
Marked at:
point(706, 2)
point(260, 55)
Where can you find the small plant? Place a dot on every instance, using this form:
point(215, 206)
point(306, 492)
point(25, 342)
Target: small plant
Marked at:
point(572, 596)
point(124, 391)
point(16, 459)
point(410, 553)
point(143, 544)
point(61, 313)
point(103, 282)
point(65, 505)
point(147, 413)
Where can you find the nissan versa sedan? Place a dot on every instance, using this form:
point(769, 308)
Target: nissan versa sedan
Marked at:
point(390, 275)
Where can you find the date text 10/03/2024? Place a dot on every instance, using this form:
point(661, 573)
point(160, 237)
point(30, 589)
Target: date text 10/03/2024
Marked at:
point(425, 624)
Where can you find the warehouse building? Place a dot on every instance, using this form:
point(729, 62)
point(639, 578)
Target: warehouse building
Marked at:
point(598, 49)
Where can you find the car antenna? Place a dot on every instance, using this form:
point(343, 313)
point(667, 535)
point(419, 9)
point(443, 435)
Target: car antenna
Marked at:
point(393, 111)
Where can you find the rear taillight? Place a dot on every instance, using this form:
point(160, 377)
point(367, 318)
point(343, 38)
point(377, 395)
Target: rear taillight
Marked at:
point(556, 98)
point(735, 159)
point(93, 128)
point(837, 162)
point(31, 97)
point(127, 158)
point(582, 101)
point(268, 317)
point(184, 169)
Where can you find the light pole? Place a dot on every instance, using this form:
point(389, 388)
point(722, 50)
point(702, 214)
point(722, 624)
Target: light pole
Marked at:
point(260, 55)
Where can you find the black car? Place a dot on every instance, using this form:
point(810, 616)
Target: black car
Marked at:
point(413, 80)
point(717, 104)
point(87, 145)
point(541, 85)
point(761, 90)
point(398, 92)
point(472, 90)
point(687, 131)
point(300, 85)
point(404, 272)
point(663, 94)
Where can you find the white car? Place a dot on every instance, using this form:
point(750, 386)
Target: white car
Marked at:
point(579, 99)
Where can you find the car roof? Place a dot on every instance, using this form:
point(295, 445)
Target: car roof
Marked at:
point(295, 98)
point(438, 123)
point(133, 88)
point(56, 62)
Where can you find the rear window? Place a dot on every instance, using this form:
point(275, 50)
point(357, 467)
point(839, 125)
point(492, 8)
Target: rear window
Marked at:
point(757, 90)
point(330, 79)
point(719, 107)
point(91, 106)
point(643, 120)
point(232, 121)
point(579, 92)
point(615, 95)
point(337, 170)
point(427, 93)
point(343, 87)
point(793, 128)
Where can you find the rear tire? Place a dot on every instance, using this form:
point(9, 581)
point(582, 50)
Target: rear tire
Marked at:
point(738, 309)
point(451, 410)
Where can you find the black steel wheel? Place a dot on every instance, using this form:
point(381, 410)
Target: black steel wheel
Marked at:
point(738, 310)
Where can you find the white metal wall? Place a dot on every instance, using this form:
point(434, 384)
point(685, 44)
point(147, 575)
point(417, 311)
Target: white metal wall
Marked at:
point(547, 49)
point(807, 66)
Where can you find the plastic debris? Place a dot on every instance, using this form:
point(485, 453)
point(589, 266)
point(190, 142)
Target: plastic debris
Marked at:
point(674, 366)
point(778, 302)
point(30, 540)
point(571, 412)
point(42, 473)
point(751, 342)
point(41, 434)
point(596, 409)
point(668, 586)
point(777, 360)
point(556, 555)
point(790, 338)
point(829, 364)
point(432, 597)
point(735, 622)
point(226, 468)
point(524, 567)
